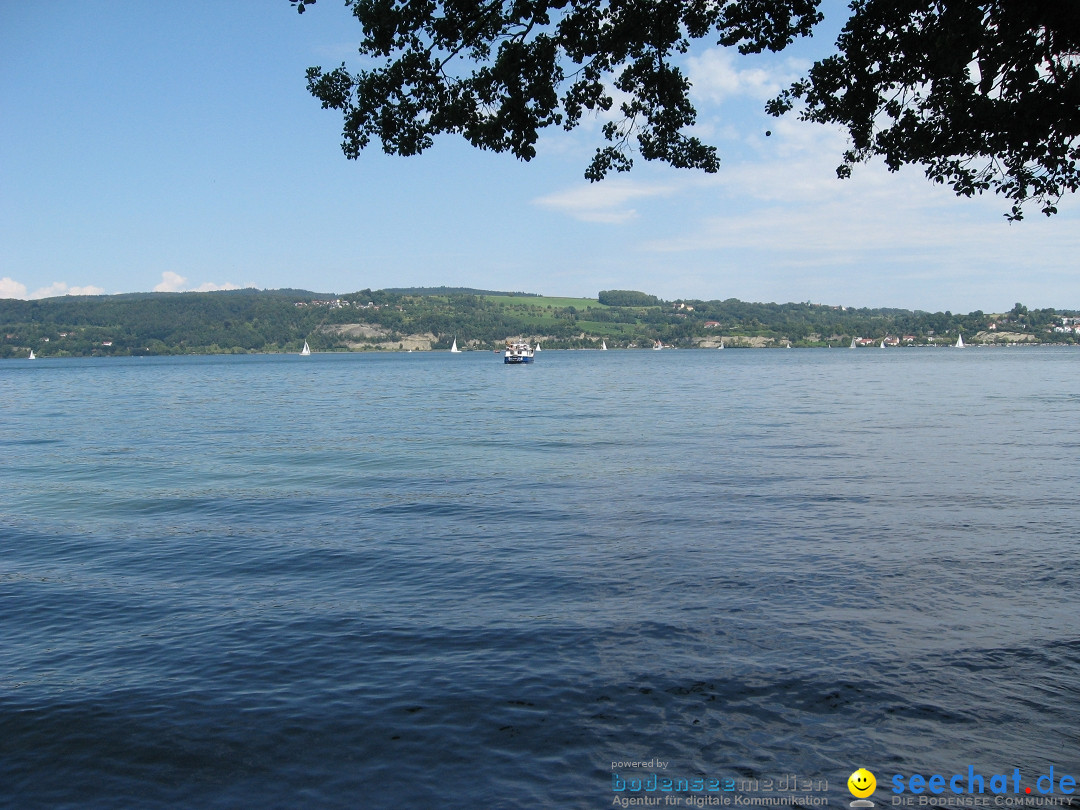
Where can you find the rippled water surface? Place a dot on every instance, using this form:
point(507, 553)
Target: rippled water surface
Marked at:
point(432, 580)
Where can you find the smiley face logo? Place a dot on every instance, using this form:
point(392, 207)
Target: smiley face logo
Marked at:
point(861, 783)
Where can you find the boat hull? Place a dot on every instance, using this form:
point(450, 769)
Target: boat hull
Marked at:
point(516, 360)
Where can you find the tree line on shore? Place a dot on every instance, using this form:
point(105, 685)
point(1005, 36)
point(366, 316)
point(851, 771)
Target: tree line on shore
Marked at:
point(252, 321)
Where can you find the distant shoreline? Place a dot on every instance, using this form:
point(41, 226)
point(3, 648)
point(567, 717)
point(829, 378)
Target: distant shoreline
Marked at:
point(642, 349)
point(281, 321)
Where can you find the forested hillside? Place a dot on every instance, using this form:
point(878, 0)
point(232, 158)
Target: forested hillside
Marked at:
point(241, 321)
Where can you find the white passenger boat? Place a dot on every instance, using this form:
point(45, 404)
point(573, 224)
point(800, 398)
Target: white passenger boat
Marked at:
point(517, 351)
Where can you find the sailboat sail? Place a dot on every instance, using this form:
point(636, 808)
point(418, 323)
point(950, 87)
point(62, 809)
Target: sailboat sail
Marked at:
point(32, 355)
point(959, 341)
point(454, 349)
point(304, 352)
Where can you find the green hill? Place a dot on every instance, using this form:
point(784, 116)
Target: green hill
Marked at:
point(240, 321)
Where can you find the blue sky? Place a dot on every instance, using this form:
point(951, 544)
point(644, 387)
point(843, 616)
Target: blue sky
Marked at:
point(174, 146)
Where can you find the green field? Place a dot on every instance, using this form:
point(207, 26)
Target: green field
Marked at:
point(545, 301)
point(599, 329)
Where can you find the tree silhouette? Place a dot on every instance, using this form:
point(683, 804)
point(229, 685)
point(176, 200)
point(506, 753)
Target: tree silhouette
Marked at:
point(983, 94)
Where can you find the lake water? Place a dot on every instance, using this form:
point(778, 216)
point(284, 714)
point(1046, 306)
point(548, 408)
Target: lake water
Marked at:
point(432, 580)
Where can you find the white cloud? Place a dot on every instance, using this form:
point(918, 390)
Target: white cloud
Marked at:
point(209, 286)
point(788, 201)
point(58, 288)
point(602, 202)
point(174, 282)
point(800, 208)
point(170, 282)
point(777, 224)
point(10, 288)
point(877, 236)
point(715, 77)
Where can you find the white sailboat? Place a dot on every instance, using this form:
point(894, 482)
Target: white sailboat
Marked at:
point(959, 341)
point(852, 346)
point(538, 345)
point(454, 349)
point(721, 343)
point(657, 346)
point(304, 352)
point(883, 343)
point(603, 345)
point(32, 355)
